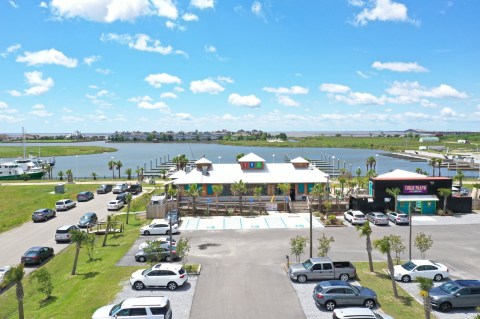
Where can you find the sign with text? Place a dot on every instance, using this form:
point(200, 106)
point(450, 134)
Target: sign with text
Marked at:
point(414, 189)
point(271, 206)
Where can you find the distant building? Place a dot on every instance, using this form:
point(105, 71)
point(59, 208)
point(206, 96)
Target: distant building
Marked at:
point(427, 139)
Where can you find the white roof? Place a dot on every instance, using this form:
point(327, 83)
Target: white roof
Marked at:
point(273, 173)
point(416, 198)
point(178, 174)
point(299, 160)
point(398, 173)
point(203, 160)
point(251, 157)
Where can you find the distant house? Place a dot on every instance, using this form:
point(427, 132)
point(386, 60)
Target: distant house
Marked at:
point(427, 139)
point(463, 141)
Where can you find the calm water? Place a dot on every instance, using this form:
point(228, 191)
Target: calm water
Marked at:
point(135, 155)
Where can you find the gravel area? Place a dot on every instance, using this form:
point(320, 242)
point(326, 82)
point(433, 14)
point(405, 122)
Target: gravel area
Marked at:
point(180, 299)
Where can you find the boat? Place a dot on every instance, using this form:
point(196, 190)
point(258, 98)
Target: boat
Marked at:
point(26, 165)
point(10, 171)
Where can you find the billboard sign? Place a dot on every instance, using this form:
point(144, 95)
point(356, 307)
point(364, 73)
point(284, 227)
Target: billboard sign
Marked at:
point(415, 189)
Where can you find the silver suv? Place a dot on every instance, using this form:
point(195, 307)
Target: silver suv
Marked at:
point(65, 204)
point(456, 293)
point(333, 293)
point(64, 233)
point(139, 308)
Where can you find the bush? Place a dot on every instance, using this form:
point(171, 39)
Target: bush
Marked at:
point(44, 281)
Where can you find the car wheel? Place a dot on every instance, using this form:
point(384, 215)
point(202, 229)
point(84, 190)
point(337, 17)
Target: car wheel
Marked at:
point(438, 277)
point(167, 232)
point(330, 305)
point(344, 277)
point(146, 233)
point(54, 214)
point(369, 303)
point(406, 278)
point(172, 285)
point(301, 279)
point(138, 285)
point(168, 258)
point(142, 259)
point(445, 307)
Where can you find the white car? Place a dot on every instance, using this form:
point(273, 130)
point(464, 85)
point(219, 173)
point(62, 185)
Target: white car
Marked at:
point(115, 204)
point(65, 204)
point(3, 272)
point(420, 268)
point(355, 217)
point(358, 313)
point(137, 308)
point(398, 218)
point(162, 228)
point(160, 275)
point(164, 243)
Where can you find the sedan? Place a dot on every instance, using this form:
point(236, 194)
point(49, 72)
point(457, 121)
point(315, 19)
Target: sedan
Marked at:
point(160, 254)
point(103, 189)
point(84, 196)
point(355, 217)
point(158, 229)
point(36, 255)
point(398, 218)
point(115, 205)
point(420, 268)
point(377, 218)
point(43, 214)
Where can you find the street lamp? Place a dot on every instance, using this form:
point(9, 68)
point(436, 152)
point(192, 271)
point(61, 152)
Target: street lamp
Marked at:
point(350, 169)
point(273, 157)
point(376, 165)
point(219, 158)
point(333, 166)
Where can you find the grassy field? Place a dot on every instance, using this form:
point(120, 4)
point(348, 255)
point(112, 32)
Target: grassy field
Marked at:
point(96, 284)
point(49, 151)
point(31, 198)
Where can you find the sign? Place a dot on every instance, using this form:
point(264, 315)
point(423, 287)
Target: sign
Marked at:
point(415, 189)
point(271, 206)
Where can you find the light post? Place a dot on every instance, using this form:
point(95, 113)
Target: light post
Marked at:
point(219, 158)
point(333, 167)
point(350, 169)
point(113, 166)
point(76, 158)
point(273, 157)
point(343, 164)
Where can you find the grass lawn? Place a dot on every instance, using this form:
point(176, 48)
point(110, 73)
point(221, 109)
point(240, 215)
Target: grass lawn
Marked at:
point(96, 283)
point(49, 151)
point(405, 307)
point(19, 202)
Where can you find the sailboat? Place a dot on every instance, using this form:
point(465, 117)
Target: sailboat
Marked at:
point(27, 165)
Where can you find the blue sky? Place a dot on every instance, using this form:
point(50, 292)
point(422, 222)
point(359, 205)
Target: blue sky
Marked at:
point(285, 65)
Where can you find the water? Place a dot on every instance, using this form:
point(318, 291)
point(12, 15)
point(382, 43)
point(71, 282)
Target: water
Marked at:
point(136, 155)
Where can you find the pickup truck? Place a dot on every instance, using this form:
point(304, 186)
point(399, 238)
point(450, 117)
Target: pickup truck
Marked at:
point(321, 268)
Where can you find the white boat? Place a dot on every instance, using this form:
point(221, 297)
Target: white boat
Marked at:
point(10, 171)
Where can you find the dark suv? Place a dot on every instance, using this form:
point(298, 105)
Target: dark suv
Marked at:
point(88, 220)
point(134, 189)
point(173, 216)
point(456, 293)
point(122, 197)
point(333, 293)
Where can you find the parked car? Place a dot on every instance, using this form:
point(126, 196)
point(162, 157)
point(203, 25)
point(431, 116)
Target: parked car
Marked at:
point(103, 189)
point(138, 308)
point(355, 217)
point(170, 276)
point(321, 268)
point(43, 214)
point(173, 216)
point(3, 272)
point(358, 313)
point(84, 196)
point(63, 233)
point(162, 228)
point(333, 293)
point(160, 254)
point(456, 294)
point(65, 204)
point(164, 242)
point(420, 268)
point(115, 204)
point(398, 218)
point(377, 218)
point(36, 255)
point(88, 220)
point(119, 188)
point(134, 188)
point(122, 197)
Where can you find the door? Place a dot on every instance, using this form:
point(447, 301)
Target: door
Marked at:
point(316, 272)
point(153, 278)
point(327, 271)
point(352, 297)
point(292, 194)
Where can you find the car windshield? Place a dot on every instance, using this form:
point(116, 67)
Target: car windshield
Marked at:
point(85, 218)
point(146, 271)
point(409, 265)
point(31, 253)
point(402, 216)
point(307, 264)
point(115, 309)
point(38, 213)
point(449, 287)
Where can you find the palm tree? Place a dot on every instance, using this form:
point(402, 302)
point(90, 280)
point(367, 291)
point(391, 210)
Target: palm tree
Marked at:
point(94, 175)
point(439, 163)
point(459, 178)
point(139, 172)
point(432, 162)
point(163, 172)
point(69, 175)
point(193, 191)
point(172, 192)
point(78, 237)
point(118, 165)
point(425, 284)
point(111, 166)
point(60, 175)
point(445, 193)
point(418, 170)
point(337, 198)
point(217, 190)
point(318, 190)
point(180, 162)
point(107, 229)
point(128, 171)
point(394, 192)
point(370, 174)
point(240, 189)
point(239, 156)
point(371, 163)
point(342, 181)
point(284, 188)
point(365, 231)
point(385, 248)
point(128, 200)
point(15, 277)
point(359, 172)
point(257, 191)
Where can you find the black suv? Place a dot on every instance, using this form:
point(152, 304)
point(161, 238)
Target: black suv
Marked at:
point(134, 189)
point(456, 294)
point(122, 197)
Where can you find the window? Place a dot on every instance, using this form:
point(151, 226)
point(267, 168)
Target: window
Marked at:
point(317, 267)
point(421, 268)
point(138, 312)
point(475, 291)
point(327, 267)
point(430, 267)
point(337, 291)
point(154, 273)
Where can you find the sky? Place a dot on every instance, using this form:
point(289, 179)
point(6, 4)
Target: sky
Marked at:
point(102, 66)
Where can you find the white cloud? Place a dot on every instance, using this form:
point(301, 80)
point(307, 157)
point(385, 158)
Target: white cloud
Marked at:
point(356, 3)
point(40, 113)
point(152, 106)
point(10, 119)
point(43, 4)
point(206, 86)
point(210, 49)
point(3, 105)
point(13, 4)
point(202, 4)
point(184, 116)
point(360, 98)
point(140, 42)
point(229, 117)
point(51, 56)
point(417, 91)
point(257, 9)
point(140, 99)
point(156, 80)
point(283, 90)
point(448, 112)
point(10, 49)
point(66, 110)
point(103, 71)
point(38, 85)
point(363, 75)
point(287, 101)
point(399, 66)
point(334, 88)
point(383, 10)
point(89, 60)
point(225, 79)
point(179, 89)
point(72, 119)
point(166, 8)
point(190, 17)
point(93, 87)
point(427, 103)
point(170, 25)
point(38, 106)
point(14, 93)
point(247, 100)
point(168, 95)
